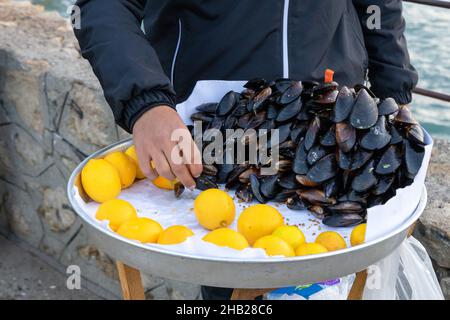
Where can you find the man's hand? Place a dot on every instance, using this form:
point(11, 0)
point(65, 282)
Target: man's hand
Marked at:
point(153, 133)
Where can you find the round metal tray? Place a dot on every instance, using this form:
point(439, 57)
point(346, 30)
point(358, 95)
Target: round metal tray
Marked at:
point(234, 273)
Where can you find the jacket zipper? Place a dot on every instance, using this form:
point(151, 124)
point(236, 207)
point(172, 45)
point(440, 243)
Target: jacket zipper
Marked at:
point(285, 40)
point(174, 60)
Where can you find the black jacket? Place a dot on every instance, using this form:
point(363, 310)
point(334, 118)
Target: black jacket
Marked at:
point(190, 40)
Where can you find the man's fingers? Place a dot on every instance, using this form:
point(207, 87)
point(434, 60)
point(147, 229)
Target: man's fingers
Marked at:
point(192, 158)
point(178, 166)
point(144, 163)
point(162, 165)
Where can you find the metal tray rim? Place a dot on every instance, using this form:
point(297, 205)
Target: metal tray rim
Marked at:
point(124, 143)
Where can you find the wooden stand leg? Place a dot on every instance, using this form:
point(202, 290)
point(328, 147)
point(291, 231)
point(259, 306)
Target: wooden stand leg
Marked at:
point(130, 281)
point(357, 290)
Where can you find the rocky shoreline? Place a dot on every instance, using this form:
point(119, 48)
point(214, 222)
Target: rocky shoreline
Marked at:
point(53, 114)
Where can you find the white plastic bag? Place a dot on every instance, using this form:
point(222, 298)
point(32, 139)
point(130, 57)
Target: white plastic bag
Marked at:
point(406, 274)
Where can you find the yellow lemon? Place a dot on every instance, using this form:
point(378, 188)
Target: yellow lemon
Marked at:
point(131, 152)
point(358, 235)
point(142, 229)
point(117, 211)
point(100, 180)
point(331, 240)
point(226, 237)
point(291, 234)
point(214, 209)
point(274, 246)
point(124, 165)
point(258, 221)
point(164, 183)
point(174, 235)
point(310, 248)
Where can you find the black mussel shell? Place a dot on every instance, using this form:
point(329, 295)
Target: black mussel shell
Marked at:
point(326, 98)
point(317, 211)
point(269, 186)
point(223, 171)
point(305, 181)
point(297, 132)
point(210, 170)
point(413, 158)
point(383, 185)
point(389, 162)
point(300, 165)
point(285, 194)
point(405, 116)
point(244, 177)
point(295, 203)
point(244, 193)
point(233, 176)
point(256, 120)
point(244, 120)
point(346, 207)
point(178, 189)
point(209, 107)
point(303, 115)
point(227, 103)
point(229, 122)
point(256, 84)
point(377, 137)
point(316, 197)
point(323, 88)
point(345, 136)
point(344, 104)
point(313, 133)
point(387, 106)
point(281, 85)
point(272, 112)
point(205, 182)
point(415, 134)
point(255, 186)
point(343, 220)
point(316, 153)
point(290, 110)
point(329, 138)
point(288, 181)
point(287, 149)
point(353, 196)
point(344, 159)
point(202, 116)
point(331, 188)
point(258, 101)
point(291, 93)
point(365, 111)
point(395, 136)
point(366, 179)
point(360, 158)
point(323, 169)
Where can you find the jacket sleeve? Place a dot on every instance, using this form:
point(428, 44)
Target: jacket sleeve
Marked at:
point(390, 71)
point(123, 60)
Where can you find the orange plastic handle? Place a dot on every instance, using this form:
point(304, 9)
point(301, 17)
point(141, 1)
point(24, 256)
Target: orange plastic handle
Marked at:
point(329, 75)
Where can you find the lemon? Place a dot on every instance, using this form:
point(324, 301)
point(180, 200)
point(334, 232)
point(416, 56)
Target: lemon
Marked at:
point(100, 180)
point(291, 234)
point(144, 230)
point(274, 246)
point(214, 209)
point(174, 235)
point(124, 165)
point(226, 237)
point(358, 235)
point(164, 183)
point(331, 240)
point(131, 152)
point(310, 248)
point(258, 221)
point(117, 211)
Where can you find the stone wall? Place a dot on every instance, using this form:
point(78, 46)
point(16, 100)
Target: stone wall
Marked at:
point(53, 114)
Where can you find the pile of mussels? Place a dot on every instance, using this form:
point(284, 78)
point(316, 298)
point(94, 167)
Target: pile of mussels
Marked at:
point(341, 150)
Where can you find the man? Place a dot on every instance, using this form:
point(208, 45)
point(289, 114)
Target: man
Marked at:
point(146, 71)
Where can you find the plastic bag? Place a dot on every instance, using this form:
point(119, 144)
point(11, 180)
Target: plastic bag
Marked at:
point(337, 289)
point(406, 274)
